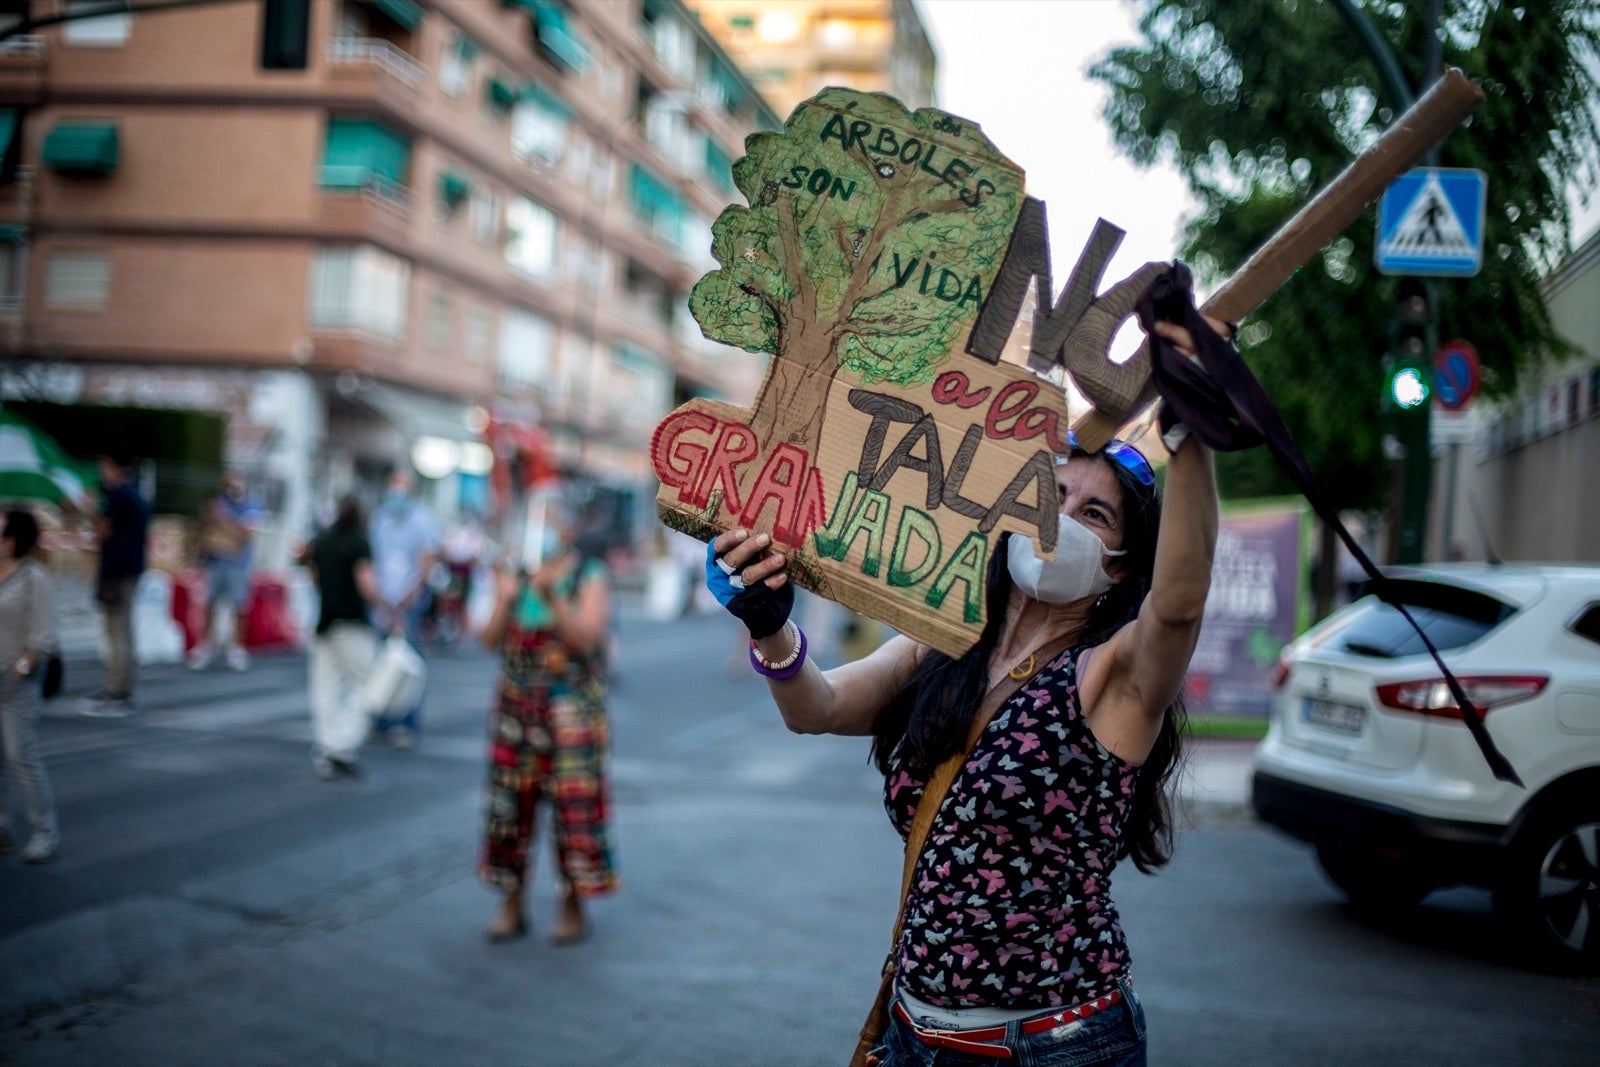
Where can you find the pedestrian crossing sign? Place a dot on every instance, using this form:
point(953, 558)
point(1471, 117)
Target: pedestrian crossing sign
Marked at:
point(1430, 222)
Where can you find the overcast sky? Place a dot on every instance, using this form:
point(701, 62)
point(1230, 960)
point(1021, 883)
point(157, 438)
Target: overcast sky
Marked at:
point(1017, 68)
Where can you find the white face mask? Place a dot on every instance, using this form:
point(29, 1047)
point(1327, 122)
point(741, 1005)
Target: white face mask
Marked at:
point(1074, 574)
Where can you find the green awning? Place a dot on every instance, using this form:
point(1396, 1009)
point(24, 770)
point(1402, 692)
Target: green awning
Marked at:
point(74, 147)
point(502, 95)
point(453, 189)
point(742, 22)
point(405, 12)
point(9, 118)
point(557, 38)
point(357, 151)
point(543, 98)
point(718, 165)
point(655, 204)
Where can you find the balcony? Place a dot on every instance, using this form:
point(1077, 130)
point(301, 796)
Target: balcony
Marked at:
point(377, 63)
point(22, 61)
point(374, 209)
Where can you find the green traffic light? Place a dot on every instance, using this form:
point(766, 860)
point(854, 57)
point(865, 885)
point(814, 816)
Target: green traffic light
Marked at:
point(1408, 388)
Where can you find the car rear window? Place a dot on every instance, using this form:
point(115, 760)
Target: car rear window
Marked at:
point(1451, 617)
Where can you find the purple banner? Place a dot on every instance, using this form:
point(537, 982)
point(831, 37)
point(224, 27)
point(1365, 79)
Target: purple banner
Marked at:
point(1251, 612)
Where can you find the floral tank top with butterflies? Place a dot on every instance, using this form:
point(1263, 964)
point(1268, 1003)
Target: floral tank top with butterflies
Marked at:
point(1010, 903)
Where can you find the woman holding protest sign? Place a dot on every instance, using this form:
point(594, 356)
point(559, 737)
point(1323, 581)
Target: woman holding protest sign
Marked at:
point(1044, 752)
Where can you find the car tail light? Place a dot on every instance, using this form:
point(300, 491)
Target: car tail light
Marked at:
point(1430, 696)
point(1280, 673)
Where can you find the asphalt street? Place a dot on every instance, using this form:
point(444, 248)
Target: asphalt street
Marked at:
point(216, 904)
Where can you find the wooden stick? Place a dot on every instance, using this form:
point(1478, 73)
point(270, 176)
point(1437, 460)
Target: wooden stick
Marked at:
point(1427, 122)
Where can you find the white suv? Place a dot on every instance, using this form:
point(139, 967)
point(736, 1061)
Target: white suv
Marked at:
point(1367, 757)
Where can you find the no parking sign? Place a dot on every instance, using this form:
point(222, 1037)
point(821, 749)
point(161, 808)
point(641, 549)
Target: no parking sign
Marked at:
point(1455, 374)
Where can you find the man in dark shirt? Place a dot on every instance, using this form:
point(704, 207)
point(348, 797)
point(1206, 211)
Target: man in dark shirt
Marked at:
point(121, 527)
point(344, 648)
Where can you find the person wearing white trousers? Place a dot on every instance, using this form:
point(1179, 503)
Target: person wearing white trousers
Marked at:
point(341, 660)
point(345, 646)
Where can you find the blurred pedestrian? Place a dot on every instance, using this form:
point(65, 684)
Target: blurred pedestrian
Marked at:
point(405, 546)
point(549, 735)
point(121, 528)
point(1022, 771)
point(27, 640)
point(228, 524)
point(344, 648)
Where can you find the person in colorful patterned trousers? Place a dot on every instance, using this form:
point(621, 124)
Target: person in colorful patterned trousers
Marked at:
point(549, 736)
point(1010, 947)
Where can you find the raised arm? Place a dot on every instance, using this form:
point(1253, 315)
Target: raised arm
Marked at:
point(1128, 684)
point(844, 700)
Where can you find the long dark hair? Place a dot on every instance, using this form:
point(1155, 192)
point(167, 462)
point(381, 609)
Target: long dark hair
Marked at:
point(928, 720)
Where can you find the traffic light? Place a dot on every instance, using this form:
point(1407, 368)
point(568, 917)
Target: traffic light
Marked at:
point(285, 27)
point(1408, 372)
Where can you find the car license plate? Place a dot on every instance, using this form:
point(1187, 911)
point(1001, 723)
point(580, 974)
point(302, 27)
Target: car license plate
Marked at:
point(1346, 718)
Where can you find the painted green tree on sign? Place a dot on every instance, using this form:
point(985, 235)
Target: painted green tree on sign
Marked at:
point(871, 235)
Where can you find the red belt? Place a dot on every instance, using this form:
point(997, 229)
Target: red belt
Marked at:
point(980, 1041)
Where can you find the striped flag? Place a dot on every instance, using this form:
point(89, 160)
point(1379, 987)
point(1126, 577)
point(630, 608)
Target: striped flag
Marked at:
point(34, 468)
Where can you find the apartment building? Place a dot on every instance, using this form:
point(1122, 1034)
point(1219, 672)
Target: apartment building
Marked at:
point(462, 237)
point(793, 49)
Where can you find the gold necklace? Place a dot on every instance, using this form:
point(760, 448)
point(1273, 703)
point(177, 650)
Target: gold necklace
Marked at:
point(1022, 670)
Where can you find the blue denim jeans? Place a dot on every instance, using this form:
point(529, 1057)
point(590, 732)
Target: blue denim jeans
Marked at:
point(1111, 1038)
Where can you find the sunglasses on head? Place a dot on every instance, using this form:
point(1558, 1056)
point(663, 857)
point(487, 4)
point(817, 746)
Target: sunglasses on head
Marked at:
point(1123, 455)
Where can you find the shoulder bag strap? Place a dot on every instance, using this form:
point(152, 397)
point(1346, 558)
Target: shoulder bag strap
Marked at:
point(933, 794)
point(944, 775)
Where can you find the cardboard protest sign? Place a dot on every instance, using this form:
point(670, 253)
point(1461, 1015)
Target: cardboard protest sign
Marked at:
point(882, 262)
point(884, 460)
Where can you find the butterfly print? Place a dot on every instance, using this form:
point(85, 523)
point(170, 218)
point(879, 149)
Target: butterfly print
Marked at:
point(1041, 805)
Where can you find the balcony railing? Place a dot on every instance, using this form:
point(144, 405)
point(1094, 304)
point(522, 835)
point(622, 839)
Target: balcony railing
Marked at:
point(379, 53)
point(25, 44)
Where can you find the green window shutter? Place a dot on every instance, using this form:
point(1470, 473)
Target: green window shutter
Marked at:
point(742, 22)
point(467, 48)
point(9, 118)
point(655, 204)
point(74, 147)
point(453, 189)
point(719, 166)
point(501, 94)
point(549, 102)
point(360, 150)
point(405, 12)
point(13, 233)
point(559, 40)
point(727, 81)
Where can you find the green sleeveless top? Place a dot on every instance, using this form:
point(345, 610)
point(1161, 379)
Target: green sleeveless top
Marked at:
point(533, 612)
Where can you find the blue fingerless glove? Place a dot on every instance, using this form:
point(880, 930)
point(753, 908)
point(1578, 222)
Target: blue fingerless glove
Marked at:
point(762, 610)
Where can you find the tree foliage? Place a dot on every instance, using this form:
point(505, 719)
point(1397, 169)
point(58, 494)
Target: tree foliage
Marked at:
point(869, 236)
point(1261, 102)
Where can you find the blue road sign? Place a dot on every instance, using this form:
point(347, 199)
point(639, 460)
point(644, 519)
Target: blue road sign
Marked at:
point(1455, 374)
point(1430, 222)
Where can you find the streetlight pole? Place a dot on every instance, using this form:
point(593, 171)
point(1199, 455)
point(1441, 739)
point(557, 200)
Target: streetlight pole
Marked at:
point(1417, 462)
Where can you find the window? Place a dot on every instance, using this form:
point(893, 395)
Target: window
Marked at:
point(358, 153)
point(360, 287)
point(1453, 618)
point(107, 31)
point(455, 65)
point(673, 43)
point(666, 127)
point(530, 237)
point(483, 214)
point(77, 280)
point(475, 334)
point(539, 127)
point(580, 156)
point(639, 386)
point(655, 205)
point(441, 312)
point(602, 176)
point(1588, 624)
point(13, 267)
point(527, 342)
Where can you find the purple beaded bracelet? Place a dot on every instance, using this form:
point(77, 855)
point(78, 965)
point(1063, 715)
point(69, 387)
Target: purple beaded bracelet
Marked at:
point(780, 674)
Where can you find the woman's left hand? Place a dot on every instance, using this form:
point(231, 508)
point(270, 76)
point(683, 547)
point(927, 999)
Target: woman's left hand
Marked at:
point(1180, 338)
